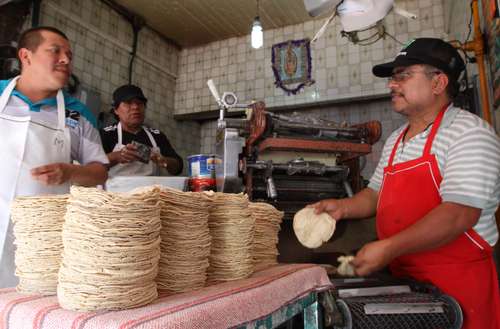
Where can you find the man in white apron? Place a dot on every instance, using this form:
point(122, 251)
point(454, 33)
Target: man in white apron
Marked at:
point(120, 140)
point(38, 140)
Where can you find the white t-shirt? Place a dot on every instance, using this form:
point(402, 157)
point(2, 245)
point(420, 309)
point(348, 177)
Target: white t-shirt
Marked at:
point(468, 155)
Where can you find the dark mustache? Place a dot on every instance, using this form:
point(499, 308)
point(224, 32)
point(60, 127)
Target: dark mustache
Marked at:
point(61, 66)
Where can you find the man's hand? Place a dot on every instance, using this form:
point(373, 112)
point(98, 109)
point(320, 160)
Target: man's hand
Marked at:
point(373, 257)
point(129, 154)
point(334, 207)
point(361, 205)
point(91, 174)
point(160, 160)
point(53, 174)
point(126, 155)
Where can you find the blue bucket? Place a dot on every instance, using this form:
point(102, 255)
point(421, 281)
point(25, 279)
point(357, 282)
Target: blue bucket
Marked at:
point(202, 165)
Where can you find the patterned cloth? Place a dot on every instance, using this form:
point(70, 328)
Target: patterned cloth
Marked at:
point(220, 306)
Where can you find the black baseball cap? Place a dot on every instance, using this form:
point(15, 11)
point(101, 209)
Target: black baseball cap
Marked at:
point(126, 93)
point(430, 51)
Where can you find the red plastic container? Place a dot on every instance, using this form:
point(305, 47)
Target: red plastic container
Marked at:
point(202, 184)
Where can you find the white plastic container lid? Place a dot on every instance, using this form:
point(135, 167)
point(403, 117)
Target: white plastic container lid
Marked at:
point(128, 183)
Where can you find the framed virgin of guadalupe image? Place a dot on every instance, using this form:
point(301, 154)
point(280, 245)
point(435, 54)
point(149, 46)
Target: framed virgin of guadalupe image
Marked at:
point(291, 62)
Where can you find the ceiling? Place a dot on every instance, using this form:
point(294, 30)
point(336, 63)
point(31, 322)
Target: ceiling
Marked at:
point(190, 23)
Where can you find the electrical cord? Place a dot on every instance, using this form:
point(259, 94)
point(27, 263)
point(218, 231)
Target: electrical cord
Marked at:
point(393, 38)
point(327, 22)
point(470, 23)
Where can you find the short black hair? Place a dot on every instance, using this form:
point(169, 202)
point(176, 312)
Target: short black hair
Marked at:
point(32, 38)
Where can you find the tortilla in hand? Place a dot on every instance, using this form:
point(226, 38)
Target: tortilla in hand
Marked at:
point(312, 229)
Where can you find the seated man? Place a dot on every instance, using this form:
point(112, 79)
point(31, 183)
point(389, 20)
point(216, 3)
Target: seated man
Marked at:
point(132, 148)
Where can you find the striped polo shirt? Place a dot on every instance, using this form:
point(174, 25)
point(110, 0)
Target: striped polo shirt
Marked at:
point(468, 154)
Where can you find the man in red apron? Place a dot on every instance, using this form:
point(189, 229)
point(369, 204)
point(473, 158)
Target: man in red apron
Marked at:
point(436, 188)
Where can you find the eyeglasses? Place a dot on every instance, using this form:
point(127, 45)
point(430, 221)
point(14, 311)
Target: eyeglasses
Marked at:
point(405, 75)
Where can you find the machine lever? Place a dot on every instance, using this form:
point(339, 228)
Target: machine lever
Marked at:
point(272, 193)
point(348, 189)
point(213, 90)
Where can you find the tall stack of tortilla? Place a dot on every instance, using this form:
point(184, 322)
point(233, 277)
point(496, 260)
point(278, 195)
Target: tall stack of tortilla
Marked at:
point(38, 222)
point(232, 228)
point(111, 250)
point(267, 225)
point(185, 241)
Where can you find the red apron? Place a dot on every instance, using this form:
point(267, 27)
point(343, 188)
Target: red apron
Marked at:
point(463, 268)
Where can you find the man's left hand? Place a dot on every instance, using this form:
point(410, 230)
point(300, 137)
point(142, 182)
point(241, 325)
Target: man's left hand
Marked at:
point(373, 257)
point(53, 174)
point(159, 159)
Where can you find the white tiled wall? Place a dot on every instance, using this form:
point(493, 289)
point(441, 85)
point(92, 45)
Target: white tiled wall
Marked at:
point(101, 40)
point(208, 130)
point(340, 69)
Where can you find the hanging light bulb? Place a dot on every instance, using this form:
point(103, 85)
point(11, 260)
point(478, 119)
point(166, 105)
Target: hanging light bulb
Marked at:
point(257, 34)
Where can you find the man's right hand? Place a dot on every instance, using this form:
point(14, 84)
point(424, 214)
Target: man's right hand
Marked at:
point(54, 173)
point(334, 207)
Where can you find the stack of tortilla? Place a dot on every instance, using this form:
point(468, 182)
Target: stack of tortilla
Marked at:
point(265, 241)
point(232, 228)
point(38, 223)
point(185, 241)
point(111, 249)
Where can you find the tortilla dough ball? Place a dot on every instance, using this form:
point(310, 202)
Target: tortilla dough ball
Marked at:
point(312, 229)
point(345, 267)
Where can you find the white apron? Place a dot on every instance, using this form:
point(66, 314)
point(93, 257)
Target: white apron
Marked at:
point(26, 145)
point(135, 168)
